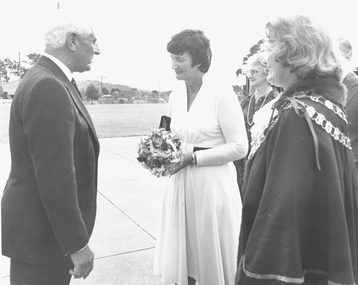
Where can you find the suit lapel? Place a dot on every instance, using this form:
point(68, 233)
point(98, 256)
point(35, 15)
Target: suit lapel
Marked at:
point(71, 90)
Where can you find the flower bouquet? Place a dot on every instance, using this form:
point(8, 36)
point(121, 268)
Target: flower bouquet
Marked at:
point(160, 152)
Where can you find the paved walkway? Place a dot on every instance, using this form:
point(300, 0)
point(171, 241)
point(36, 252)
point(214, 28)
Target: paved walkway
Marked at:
point(129, 202)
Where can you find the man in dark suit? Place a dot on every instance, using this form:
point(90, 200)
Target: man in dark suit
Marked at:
point(49, 201)
point(351, 82)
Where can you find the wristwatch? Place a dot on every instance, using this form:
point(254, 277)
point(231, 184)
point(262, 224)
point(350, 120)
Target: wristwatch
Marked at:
point(193, 158)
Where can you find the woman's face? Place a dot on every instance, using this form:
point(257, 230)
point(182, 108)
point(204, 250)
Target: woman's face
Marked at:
point(278, 74)
point(182, 65)
point(257, 76)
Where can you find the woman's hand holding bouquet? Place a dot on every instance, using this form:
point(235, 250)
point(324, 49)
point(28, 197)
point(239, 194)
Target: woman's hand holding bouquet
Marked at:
point(161, 152)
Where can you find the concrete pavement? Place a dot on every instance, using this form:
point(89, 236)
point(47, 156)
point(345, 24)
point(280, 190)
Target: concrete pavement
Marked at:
point(129, 200)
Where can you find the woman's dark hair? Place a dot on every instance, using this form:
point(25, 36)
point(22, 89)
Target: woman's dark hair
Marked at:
point(196, 44)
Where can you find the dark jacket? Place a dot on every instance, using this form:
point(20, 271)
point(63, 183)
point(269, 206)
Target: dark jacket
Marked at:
point(300, 196)
point(49, 202)
point(249, 108)
point(351, 83)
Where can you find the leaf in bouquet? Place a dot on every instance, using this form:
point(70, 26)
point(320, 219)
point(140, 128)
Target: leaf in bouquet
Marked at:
point(141, 159)
point(161, 152)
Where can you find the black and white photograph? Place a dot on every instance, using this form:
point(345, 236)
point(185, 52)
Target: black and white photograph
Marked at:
point(191, 142)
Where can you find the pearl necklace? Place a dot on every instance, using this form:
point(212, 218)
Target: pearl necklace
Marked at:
point(248, 110)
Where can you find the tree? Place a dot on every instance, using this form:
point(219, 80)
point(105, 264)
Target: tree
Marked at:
point(253, 50)
point(153, 97)
point(115, 96)
point(33, 58)
point(92, 92)
point(17, 69)
point(165, 95)
point(115, 89)
point(122, 93)
point(238, 72)
point(8, 66)
point(4, 71)
point(131, 94)
point(105, 91)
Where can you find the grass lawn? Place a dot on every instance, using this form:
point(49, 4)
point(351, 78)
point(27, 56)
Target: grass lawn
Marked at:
point(122, 120)
point(117, 120)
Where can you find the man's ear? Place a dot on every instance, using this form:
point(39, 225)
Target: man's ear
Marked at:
point(71, 41)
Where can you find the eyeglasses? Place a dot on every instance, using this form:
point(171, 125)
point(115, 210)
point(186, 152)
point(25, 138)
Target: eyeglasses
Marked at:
point(251, 72)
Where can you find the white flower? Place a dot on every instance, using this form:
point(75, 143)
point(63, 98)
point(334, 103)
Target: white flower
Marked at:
point(161, 152)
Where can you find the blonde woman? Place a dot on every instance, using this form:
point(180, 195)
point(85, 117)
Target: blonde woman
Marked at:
point(263, 93)
point(300, 203)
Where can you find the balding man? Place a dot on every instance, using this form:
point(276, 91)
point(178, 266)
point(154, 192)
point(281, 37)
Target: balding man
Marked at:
point(49, 202)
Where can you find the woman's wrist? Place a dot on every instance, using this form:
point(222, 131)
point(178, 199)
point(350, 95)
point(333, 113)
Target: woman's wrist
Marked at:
point(193, 159)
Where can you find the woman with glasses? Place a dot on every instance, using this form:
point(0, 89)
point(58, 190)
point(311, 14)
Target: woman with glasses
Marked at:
point(263, 93)
point(300, 194)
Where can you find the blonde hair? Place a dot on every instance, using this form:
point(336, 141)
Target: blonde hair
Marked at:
point(258, 60)
point(302, 44)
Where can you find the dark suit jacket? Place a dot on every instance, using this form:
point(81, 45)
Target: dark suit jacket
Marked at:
point(49, 201)
point(351, 82)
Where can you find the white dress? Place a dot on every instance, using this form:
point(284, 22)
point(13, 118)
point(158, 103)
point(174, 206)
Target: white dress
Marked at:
point(201, 212)
point(261, 118)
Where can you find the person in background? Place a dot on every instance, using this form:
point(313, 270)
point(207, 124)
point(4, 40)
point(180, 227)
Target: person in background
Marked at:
point(300, 195)
point(350, 80)
point(263, 93)
point(49, 202)
point(200, 218)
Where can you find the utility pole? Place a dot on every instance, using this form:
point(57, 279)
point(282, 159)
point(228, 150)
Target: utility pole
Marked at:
point(100, 91)
point(19, 67)
point(159, 83)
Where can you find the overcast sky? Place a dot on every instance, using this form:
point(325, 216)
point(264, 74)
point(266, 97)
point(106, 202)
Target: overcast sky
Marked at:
point(132, 35)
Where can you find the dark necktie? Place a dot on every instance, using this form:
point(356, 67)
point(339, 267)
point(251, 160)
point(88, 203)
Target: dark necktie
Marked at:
point(75, 85)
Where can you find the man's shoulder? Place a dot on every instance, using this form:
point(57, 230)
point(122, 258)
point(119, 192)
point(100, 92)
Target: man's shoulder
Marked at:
point(351, 79)
point(351, 82)
point(36, 74)
point(39, 80)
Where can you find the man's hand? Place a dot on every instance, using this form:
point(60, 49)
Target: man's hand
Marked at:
point(83, 263)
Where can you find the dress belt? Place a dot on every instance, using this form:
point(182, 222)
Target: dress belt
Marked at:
point(196, 148)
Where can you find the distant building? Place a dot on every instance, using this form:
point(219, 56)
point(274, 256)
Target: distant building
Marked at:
point(9, 89)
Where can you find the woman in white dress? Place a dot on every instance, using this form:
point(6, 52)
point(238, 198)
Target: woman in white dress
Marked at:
point(200, 219)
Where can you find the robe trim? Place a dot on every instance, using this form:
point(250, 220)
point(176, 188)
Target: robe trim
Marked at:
point(293, 280)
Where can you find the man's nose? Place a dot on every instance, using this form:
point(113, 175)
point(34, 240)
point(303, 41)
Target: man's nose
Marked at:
point(96, 50)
